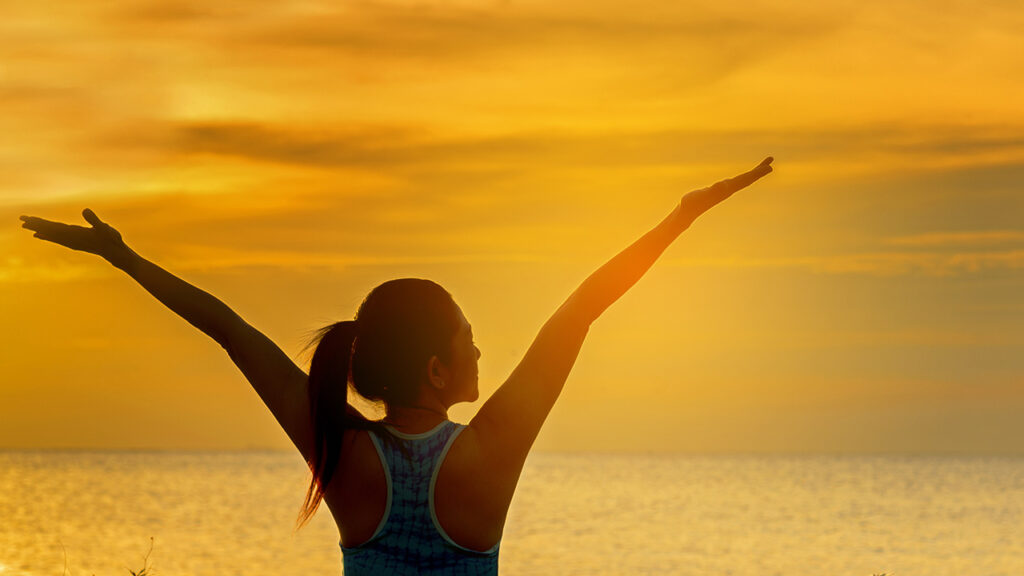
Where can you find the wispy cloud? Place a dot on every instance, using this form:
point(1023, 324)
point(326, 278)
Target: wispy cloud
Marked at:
point(396, 146)
point(221, 259)
point(447, 31)
point(134, 92)
point(959, 239)
point(16, 270)
point(927, 264)
point(185, 258)
point(933, 264)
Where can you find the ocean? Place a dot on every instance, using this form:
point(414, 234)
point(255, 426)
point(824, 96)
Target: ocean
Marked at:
point(228, 513)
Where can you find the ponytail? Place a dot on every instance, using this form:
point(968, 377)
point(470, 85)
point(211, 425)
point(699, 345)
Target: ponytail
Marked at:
point(328, 406)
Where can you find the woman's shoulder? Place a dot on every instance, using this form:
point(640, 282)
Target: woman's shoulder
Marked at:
point(466, 481)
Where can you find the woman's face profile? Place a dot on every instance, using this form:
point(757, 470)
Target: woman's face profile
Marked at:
point(465, 369)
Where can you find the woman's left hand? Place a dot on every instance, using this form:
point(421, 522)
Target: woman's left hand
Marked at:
point(699, 201)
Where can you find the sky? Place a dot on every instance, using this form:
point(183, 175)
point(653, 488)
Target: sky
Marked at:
point(289, 156)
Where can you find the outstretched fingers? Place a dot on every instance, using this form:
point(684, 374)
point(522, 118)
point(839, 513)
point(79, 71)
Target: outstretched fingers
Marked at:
point(42, 229)
point(749, 177)
point(74, 237)
point(38, 225)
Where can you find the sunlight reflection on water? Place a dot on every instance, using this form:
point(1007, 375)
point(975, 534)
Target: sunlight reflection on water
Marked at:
point(234, 513)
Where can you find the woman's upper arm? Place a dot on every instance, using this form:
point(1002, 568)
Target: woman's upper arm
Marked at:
point(279, 382)
point(508, 423)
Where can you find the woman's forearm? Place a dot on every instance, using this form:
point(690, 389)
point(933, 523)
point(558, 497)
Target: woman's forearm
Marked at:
point(196, 306)
point(609, 282)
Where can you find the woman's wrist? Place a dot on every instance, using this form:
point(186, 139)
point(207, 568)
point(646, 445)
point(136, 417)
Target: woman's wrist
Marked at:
point(683, 216)
point(121, 257)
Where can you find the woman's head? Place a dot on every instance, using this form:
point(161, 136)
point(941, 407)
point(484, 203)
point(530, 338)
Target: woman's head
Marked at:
point(409, 345)
point(410, 339)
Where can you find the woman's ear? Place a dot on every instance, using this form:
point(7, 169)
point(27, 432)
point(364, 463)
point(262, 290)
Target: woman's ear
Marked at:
point(437, 373)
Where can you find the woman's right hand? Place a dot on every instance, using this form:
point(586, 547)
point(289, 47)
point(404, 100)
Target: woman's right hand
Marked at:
point(99, 238)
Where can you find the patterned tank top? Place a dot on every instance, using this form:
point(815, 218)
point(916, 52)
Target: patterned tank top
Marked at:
point(409, 539)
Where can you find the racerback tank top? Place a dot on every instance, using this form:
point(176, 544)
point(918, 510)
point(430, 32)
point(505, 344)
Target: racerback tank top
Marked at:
point(409, 539)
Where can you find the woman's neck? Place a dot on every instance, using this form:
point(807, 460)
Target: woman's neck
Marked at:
point(415, 419)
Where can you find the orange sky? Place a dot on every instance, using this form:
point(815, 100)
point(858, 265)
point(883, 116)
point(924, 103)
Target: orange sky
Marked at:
point(289, 156)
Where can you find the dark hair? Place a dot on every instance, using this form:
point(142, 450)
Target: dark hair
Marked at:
point(383, 355)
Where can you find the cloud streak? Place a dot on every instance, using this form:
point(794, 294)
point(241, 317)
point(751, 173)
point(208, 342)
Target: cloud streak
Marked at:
point(931, 264)
point(450, 31)
point(959, 239)
point(396, 146)
point(188, 258)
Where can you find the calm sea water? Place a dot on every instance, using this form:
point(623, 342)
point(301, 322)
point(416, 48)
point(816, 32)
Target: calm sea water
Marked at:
point(233, 513)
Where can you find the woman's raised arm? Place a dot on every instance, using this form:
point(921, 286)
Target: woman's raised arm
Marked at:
point(508, 423)
point(278, 381)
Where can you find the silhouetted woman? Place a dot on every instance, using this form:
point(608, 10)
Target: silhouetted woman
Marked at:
point(413, 493)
